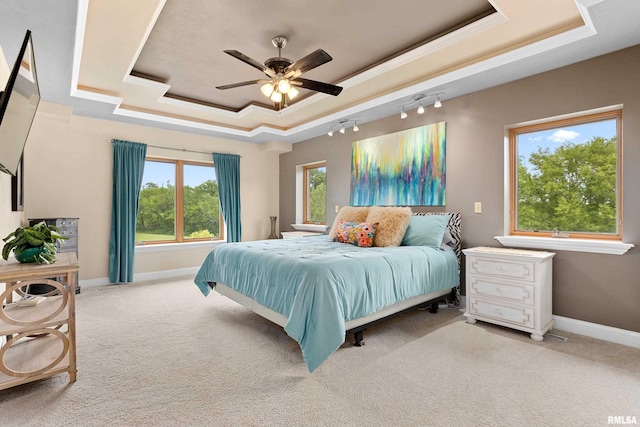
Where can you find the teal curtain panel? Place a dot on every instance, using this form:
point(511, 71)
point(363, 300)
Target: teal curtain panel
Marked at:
point(228, 173)
point(128, 166)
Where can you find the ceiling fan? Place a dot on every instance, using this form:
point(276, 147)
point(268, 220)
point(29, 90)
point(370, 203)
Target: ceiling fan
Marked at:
point(284, 74)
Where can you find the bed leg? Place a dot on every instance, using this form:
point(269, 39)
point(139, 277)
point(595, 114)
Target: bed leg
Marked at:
point(358, 338)
point(433, 307)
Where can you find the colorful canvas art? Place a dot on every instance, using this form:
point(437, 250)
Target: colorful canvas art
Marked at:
point(405, 168)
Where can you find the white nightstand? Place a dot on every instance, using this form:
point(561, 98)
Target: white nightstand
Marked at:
point(299, 234)
point(510, 287)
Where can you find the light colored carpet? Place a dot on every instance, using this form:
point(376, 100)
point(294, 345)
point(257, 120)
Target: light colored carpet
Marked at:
point(161, 354)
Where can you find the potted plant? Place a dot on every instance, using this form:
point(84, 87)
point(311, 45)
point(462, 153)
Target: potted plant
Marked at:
point(36, 243)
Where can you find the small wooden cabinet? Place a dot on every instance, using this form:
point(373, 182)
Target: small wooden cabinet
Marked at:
point(39, 340)
point(510, 287)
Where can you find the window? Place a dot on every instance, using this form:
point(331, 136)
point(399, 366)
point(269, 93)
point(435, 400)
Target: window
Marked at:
point(178, 203)
point(315, 193)
point(565, 178)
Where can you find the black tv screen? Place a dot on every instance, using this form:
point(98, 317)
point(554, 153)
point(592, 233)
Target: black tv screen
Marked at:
point(18, 104)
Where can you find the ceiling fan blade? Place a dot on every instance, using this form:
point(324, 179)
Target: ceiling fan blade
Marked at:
point(244, 58)
point(318, 86)
point(232, 85)
point(309, 62)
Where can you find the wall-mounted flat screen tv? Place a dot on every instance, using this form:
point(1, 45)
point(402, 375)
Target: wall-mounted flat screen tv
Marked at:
point(18, 104)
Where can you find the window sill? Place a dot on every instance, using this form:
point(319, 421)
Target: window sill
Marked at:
point(566, 244)
point(320, 228)
point(168, 247)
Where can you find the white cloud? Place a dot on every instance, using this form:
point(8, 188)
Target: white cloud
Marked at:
point(562, 135)
point(535, 138)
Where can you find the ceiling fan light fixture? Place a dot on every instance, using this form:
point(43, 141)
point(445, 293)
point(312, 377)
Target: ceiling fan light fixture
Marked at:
point(276, 96)
point(284, 86)
point(267, 89)
point(293, 92)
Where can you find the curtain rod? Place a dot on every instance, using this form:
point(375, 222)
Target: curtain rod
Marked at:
point(178, 149)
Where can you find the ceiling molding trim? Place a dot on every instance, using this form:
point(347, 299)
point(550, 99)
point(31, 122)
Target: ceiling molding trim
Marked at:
point(152, 23)
point(260, 130)
point(440, 43)
point(81, 24)
point(250, 109)
point(141, 81)
point(95, 96)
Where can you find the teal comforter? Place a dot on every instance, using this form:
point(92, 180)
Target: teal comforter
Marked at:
point(318, 284)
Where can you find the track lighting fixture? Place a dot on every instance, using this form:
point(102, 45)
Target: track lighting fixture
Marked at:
point(342, 126)
point(419, 99)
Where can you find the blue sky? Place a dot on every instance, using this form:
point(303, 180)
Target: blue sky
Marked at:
point(577, 134)
point(159, 173)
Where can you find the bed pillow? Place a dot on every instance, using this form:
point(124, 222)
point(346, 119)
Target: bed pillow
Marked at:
point(428, 230)
point(356, 233)
point(392, 224)
point(349, 213)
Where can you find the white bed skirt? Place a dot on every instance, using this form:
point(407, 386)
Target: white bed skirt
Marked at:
point(279, 319)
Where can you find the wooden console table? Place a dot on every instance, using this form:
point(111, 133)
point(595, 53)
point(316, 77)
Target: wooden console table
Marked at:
point(37, 345)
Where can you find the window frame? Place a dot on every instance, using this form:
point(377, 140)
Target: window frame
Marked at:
point(554, 123)
point(305, 192)
point(179, 204)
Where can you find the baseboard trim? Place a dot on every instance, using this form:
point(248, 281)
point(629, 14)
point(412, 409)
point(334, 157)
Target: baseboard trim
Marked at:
point(595, 330)
point(144, 277)
point(591, 330)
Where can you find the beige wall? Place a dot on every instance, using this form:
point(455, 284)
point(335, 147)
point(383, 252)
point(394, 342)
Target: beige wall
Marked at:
point(591, 287)
point(68, 167)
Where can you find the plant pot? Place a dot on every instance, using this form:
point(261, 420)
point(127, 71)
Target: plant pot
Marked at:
point(28, 255)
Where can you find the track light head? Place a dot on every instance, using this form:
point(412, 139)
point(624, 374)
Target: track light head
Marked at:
point(355, 127)
point(403, 114)
point(420, 109)
point(437, 104)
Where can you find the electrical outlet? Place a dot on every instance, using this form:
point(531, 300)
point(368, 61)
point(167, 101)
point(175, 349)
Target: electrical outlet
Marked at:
point(477, 207)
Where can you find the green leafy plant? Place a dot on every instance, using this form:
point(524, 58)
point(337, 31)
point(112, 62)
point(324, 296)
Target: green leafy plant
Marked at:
point(40, 236)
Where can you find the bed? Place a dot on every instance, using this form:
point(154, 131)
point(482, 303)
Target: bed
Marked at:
point(320, 290)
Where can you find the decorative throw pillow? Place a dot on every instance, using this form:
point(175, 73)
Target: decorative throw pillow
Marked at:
point(349, 213)
point(392, 224)
point(356, 233)
point(428, 230)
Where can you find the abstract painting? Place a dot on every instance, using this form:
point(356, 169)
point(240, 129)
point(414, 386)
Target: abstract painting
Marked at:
point(405, 168)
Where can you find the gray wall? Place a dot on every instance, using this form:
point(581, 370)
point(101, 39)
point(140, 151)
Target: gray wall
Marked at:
point(596, 288)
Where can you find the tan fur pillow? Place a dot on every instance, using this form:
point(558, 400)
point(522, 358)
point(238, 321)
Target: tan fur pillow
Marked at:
point(392, 224)
point(351, 214)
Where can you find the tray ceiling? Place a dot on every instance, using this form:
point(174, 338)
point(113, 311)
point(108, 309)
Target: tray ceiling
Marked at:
point(157, 62)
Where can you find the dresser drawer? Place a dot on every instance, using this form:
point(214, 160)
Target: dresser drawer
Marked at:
point(480, 286)
point(520, 270)
point(522, 316)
